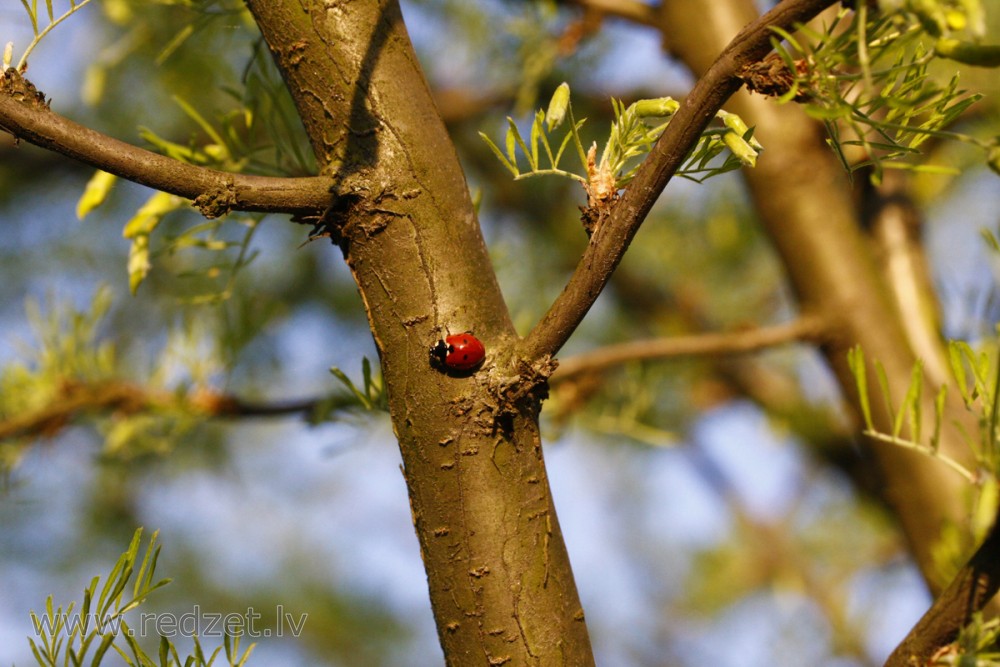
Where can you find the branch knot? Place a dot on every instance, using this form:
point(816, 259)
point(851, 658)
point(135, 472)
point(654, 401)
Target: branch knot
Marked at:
point(218, 201)
point(14, 85)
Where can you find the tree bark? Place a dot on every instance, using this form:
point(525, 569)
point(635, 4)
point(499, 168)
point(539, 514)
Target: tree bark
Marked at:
point(499, 576)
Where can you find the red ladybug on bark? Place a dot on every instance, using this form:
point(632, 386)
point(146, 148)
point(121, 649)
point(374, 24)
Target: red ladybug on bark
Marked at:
point(458, 352)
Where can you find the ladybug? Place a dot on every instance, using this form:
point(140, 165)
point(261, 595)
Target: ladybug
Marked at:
point(458, 352)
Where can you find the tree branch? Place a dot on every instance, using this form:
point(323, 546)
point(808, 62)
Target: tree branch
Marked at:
point(25, 115)
point(630, 10)
point(806, 328)
point(969, 592)
point(613, 236)
point(81, 398)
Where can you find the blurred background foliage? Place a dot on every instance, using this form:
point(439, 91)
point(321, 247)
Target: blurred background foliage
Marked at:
point(706, 516)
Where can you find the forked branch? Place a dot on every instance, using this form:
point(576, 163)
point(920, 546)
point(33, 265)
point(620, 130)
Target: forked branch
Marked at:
point(613, 236)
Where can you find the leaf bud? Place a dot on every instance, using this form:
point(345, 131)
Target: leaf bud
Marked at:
point(740, 148)
point(977, 55)
point(558, 106)
point(661, 106)
point(737, 125)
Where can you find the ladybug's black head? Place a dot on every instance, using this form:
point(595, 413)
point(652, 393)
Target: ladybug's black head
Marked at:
point(440, 351)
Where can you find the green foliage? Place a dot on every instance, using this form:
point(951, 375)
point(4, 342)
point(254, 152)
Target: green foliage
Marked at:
point(90, 631)
point(909, 415)
point(867, 77)
point(261, 135)
point(210, 236)
point(265, 130)
point(72, 371)
point(68, 351)
point(631, 137)
point(37, 27)
point(977, 379)
point(370, 396)
point(976, 646)
point(943, 17)
point(95, 192)
point(226, 243)
point(138, 230)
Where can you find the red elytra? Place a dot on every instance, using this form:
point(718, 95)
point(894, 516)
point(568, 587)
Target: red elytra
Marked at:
point(460, 352)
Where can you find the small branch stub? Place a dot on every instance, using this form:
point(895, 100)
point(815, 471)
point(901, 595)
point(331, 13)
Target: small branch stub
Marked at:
point(20, 89)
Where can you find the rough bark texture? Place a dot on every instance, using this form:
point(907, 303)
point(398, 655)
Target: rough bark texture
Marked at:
point(499, 576)
point(969, 592)
point(806, 205)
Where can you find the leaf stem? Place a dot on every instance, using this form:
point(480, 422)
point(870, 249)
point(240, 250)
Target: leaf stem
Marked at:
point(22, 63)
point(917, 447)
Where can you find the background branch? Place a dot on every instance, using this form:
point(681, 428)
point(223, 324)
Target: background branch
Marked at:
point(215, 192)
point(81, 398)
point(631, 10)
point(807, 209)
point(613, 236)
point(807, 328)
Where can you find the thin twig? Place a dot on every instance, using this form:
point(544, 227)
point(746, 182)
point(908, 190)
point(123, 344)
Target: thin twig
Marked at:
point(78, 399)
point(220, 191)
point(611, 239)
point(806, 328)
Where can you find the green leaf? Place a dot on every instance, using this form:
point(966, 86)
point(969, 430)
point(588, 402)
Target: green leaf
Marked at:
point(151, 214)
point(512, 127)
point(53, 22)
point(500, 156)
point(883, 383)
point(511, 143)
point(246, 654)
point(138, 262)
point(137, 653)
point(856, 362)
point(911, 402)
point(346, 381)
point(106, 642)
point(164, 652)
point(95, 192)
point(193, 114)
point(956, 350)
point(544, 139)
point(139, 227)
point(42, 659)
point(938, 417)
point(148, 563)
point(32, 16)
